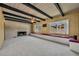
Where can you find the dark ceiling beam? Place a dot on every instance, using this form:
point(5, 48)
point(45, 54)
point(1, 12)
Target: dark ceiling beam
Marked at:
point(16, 19)
point(7, 13)
point(34, 22)
point(59, 8)
point(38, 21)
point(37, 9)
point(19, 11)
point(10, 19)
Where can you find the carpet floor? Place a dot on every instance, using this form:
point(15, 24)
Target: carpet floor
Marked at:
point(32, 46)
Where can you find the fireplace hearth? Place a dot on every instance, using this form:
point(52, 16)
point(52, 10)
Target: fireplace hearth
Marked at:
point(21, 33)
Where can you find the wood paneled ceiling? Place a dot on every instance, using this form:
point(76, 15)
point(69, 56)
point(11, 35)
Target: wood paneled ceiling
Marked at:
point(48, 8)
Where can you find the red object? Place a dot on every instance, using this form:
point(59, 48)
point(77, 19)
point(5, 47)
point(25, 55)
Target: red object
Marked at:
point(56, 35)
point(72, 40)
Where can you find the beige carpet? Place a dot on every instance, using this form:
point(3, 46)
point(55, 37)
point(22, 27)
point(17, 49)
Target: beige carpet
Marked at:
point(31, 46)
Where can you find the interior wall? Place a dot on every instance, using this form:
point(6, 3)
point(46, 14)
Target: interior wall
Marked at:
point(72, 16)
point(1, 27)
point(11, 28)
point(10, 33)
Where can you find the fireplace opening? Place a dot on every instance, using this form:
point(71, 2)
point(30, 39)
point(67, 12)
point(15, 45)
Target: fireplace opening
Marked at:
point(21, 33)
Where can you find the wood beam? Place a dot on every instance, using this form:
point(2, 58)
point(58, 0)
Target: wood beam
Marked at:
point(59, 8)
point(16, 19)
point(37, 9)
point(7, 13)
point(19, 11)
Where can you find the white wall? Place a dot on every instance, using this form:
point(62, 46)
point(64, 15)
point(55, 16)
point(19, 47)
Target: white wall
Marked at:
point(11, 28)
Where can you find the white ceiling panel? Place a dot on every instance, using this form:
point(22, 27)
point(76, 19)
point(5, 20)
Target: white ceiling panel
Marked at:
point(48, 8)
point(26, 9)
point(66, 7)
